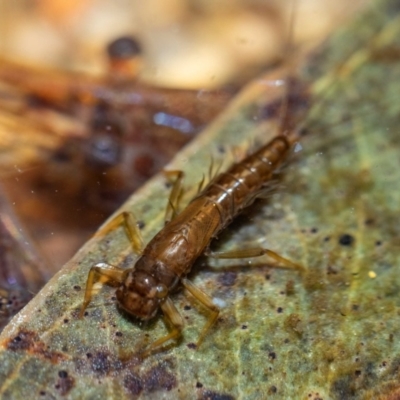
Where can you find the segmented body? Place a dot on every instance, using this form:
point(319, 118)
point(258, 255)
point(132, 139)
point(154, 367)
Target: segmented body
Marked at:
point(169, 256)
point(186, 237)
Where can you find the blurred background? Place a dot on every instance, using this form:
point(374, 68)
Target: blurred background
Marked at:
point(186, 43)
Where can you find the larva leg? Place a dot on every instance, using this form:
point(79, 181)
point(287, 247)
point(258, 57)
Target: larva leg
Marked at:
point(103, 273)
point(175, 320)
point(255, 252)
point(175, 195)
point(207, 303)
point(211, 175)
point(201, 184)
point(129, 222)
point(213, 170)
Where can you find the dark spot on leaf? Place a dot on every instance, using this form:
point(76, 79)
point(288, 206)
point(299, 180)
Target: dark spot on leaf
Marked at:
point(23, 341)
point(290, 288)
point(100, 363)
point(279, 310)
point(66, 320)
point(221, 149)
point(18, 344)
point(159, 378)
point(355, 307)
point(63, 374)
point(133, 384)
point(272, 390)
point(187, 308)
point(65, 383)
point(343, 388)
point(42, 393)
point(141, 224)
point(210, 395)
point(77, 288)
point(199, 385)
point(327, 239)
point(314, 230)
point(118, 334)
point(346, 240)
point(244, 326)
point(272, 355)
point(191, 345)
point(89, 355)
point(357, 372)
point(314, 396)
point(304, 131)
point(29, 341)
point(227, 278)
point(331, 271)
point(378, 243)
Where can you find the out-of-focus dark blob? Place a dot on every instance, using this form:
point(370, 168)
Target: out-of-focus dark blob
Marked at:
point(124, 47)
point(103, 149)
point(125, 59)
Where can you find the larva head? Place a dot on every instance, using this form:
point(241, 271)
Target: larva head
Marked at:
point(140, 294)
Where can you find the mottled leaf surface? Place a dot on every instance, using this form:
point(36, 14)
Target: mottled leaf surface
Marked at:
point(331, 333)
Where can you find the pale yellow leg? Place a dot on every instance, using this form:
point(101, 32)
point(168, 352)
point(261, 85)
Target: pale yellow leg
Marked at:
point(213, 173)
point(129, 222)
point(100, 273)
point(207, 303)
point(255, 252)
point(175, 320)
point(175, 195)
point(201, 184)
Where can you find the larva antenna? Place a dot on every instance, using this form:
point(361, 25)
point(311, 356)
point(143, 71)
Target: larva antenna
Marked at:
point(286, 51)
